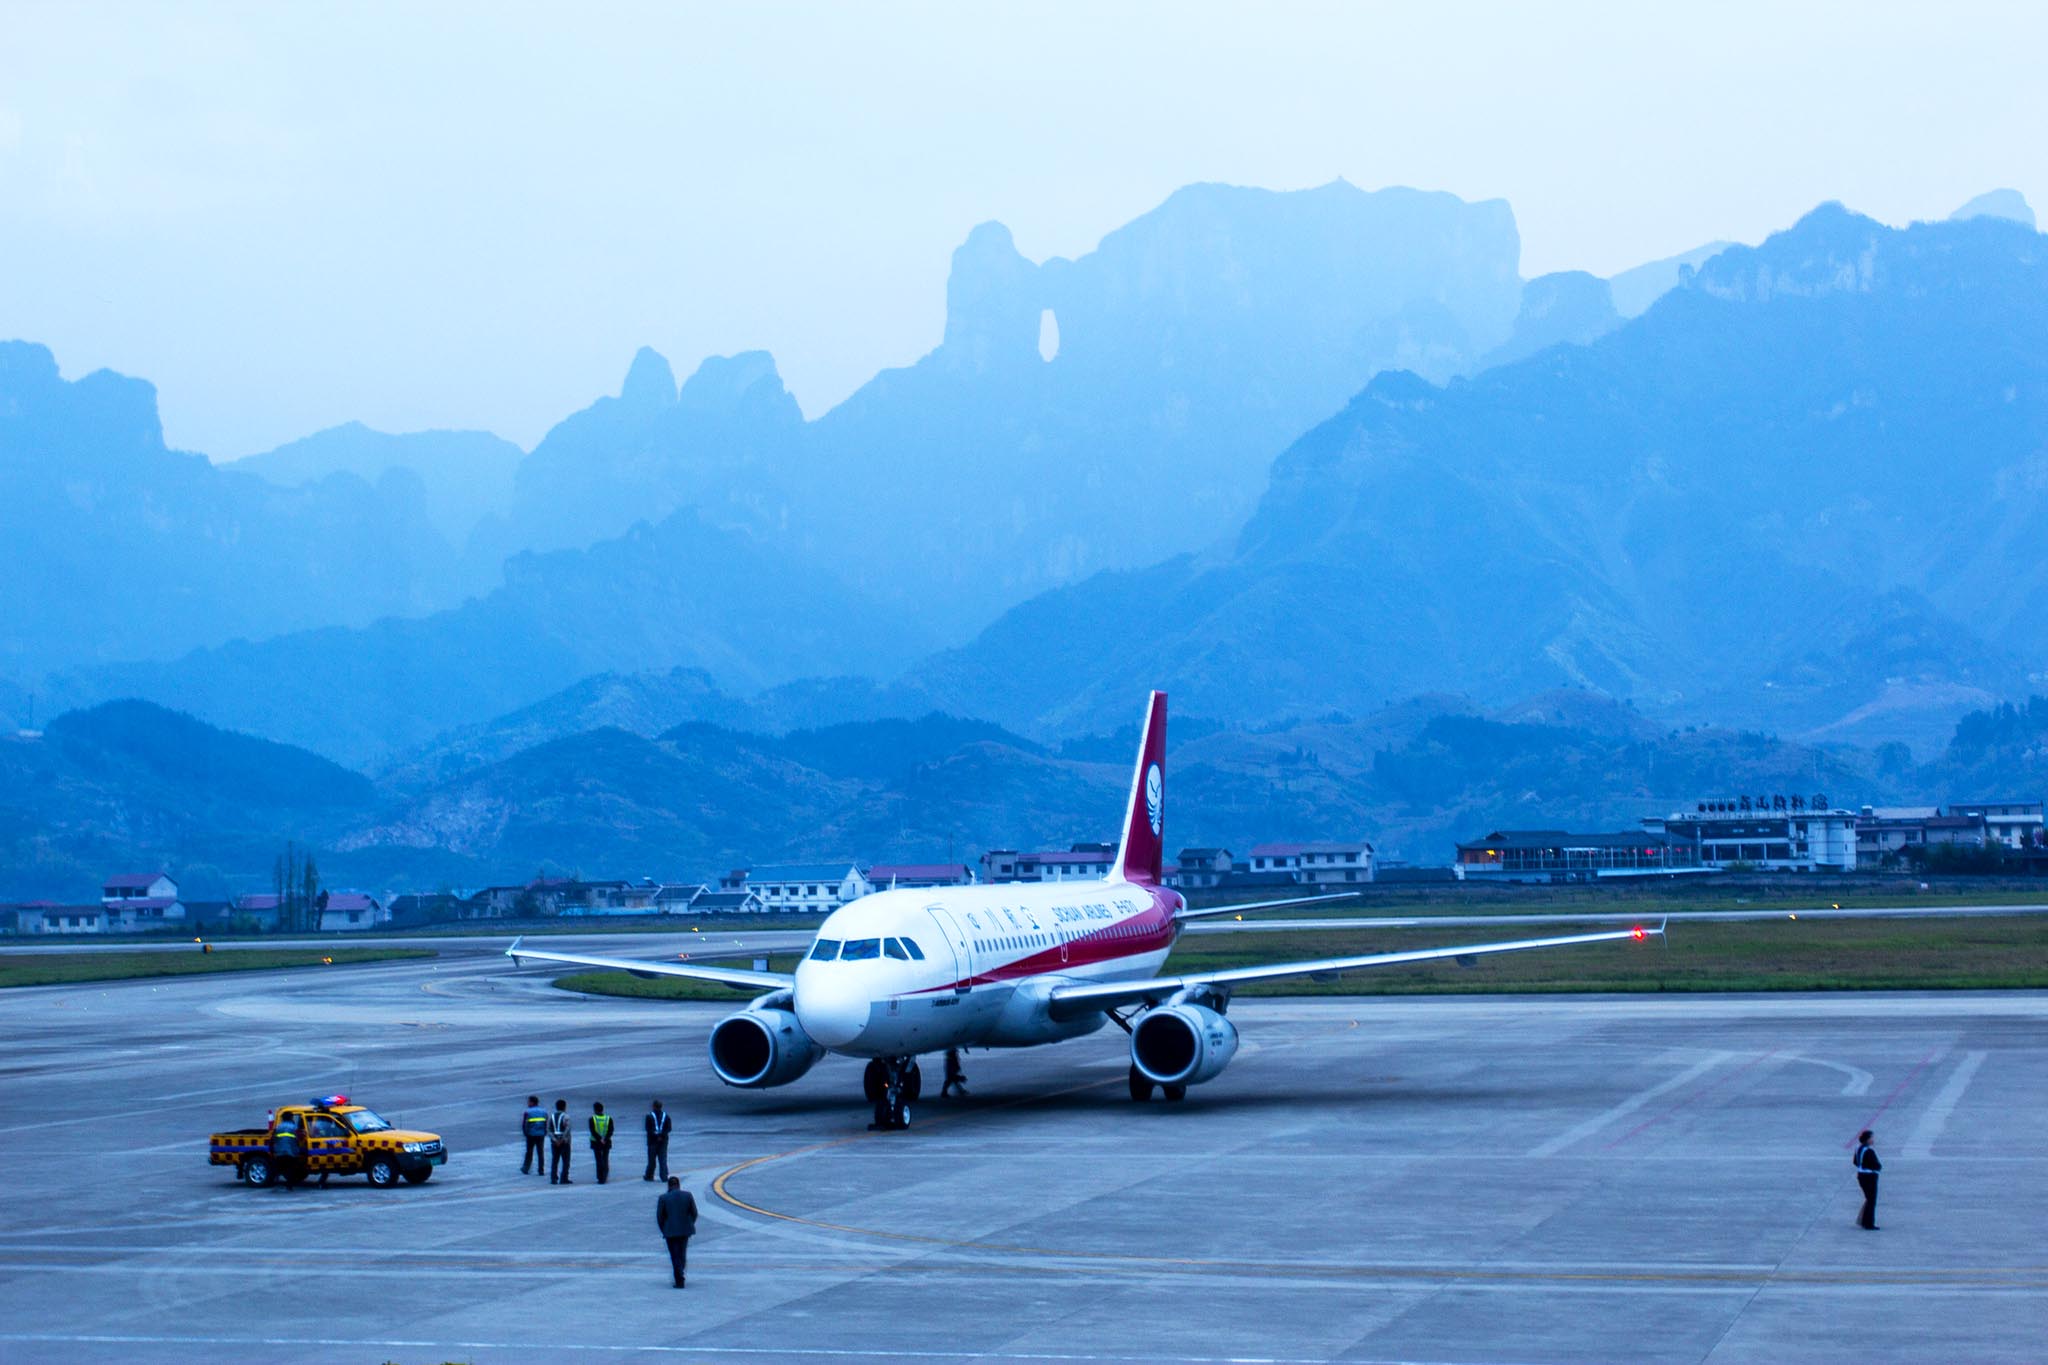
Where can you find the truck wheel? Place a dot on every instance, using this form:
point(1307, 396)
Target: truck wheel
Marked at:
point(419, 1177)
point(382, 1171)
point(256, 1170)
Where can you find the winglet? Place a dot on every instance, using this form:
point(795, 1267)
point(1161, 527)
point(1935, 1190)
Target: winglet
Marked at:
point(513, 951)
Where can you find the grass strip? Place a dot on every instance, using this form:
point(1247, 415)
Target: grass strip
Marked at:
point(1757, 955)
point(60, 969)
point(1763, 955)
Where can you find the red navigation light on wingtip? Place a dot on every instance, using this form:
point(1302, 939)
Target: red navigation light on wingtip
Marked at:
point(1636, 933)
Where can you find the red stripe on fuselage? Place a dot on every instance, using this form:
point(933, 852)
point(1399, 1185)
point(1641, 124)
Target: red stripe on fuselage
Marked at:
point(1151, 930)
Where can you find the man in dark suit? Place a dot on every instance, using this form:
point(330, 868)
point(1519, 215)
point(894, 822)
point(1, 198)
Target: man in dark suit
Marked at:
point(1867, 1167)
point(658, 1125)
point(675, 1213)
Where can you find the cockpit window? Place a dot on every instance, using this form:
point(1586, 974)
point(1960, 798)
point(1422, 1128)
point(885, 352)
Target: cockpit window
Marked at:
point(915, 951)
point(894, 949)
point(825, 950)
point(859, 949)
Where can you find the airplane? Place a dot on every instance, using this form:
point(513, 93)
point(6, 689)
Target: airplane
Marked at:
point(899, 973)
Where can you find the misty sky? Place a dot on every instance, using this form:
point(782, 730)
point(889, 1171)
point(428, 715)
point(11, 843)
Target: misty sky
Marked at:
point(288, 217)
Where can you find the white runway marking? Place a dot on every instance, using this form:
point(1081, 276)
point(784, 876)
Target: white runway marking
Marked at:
point(1627, 1106)
point(1943, 1105)
point(1859, 1079)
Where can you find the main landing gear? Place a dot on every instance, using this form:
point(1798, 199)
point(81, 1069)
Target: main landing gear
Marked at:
point(892, 1085)
point(1141, 1088)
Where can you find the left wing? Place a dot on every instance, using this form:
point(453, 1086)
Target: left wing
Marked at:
point(1066, 1002)
point(737, 978)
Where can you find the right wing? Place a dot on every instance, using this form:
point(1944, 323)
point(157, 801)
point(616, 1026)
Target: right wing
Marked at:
point(737, 978)
point(1207, 911)
point(1068, 1001)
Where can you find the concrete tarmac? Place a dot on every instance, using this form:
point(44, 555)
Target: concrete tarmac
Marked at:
point(1455, 1179)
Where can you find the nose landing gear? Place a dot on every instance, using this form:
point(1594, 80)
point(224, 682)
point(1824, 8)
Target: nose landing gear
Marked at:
point(892, 1085)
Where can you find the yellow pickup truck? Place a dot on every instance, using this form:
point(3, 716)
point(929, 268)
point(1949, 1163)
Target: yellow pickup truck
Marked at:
point(328, 1136)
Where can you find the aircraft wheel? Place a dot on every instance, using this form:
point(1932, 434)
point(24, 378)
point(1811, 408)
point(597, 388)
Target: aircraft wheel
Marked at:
point(1174, 1092)
point(913, 1083)
point(1141, 1086)
point(874, 1081)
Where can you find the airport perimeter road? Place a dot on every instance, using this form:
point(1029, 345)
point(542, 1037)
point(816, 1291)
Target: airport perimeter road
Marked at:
point(1414, 1179)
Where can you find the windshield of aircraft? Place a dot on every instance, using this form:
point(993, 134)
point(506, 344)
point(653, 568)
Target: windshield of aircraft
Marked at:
point(824, 950)
point(860, 949)
point(367, 1121)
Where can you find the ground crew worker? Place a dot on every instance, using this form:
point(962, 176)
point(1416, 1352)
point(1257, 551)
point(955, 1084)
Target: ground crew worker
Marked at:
point(1867, 1167)
point(675, 1213)
point(288, 1152)
point(954, 1075)
point(658, 1125)
point(559, 1145)
point(533, 1126)
point(601, 1140)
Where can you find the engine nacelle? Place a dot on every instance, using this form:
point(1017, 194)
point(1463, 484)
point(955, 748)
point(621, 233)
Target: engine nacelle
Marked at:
point(1183, 1044)
point(761, 1047)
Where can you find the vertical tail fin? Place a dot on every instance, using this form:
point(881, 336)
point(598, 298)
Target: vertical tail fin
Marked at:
point(1141, 853)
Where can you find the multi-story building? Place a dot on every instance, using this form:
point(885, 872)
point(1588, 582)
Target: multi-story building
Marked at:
point(1315, 864)
point(1200, 869)
point(819, 887)
point(2016, 824)
point(1766, 836)
point(142, 901)
point(1553, 855)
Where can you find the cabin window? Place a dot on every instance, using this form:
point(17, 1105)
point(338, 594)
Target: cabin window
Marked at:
point(894, 949)
point(860, 949)
point(824, 950)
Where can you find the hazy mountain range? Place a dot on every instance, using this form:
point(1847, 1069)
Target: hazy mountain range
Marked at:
point(1293, 456)
point(129, 785)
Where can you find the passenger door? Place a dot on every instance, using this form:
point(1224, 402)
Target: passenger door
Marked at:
point(955, 941)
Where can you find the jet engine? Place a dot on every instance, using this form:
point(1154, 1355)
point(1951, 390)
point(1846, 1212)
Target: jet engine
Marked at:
point(1182, 1044)
point(760, 1047)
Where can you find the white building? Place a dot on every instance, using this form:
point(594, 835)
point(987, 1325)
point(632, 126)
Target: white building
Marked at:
point(1316, 864)
point(815, 887)
point(2016, 824)
point(1766, 839)
point(342, 911)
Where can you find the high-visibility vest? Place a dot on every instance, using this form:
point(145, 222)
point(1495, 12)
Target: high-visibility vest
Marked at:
point(601, 1127)
point(558, 1123)
point(535, 1123)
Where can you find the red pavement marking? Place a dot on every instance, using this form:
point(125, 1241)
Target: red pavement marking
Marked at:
point(1698, 1094)
point(1897, 1091)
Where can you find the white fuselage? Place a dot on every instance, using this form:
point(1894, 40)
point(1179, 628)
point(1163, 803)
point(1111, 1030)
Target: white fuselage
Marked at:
point(903, 972)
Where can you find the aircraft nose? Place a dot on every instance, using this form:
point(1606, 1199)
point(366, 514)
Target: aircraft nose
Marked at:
point(832, 1009)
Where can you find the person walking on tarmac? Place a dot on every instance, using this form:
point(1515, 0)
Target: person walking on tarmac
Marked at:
point(954, 1075)
point(658, 1125)
point(675, 1213)
point(1867, 1167)
point(559, 1145)
point(601, 1140)
point(533, 1126)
